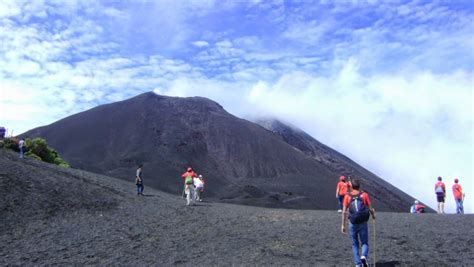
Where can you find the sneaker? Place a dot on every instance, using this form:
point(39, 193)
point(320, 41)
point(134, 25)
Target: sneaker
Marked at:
point(339, 211)
point(364, 261)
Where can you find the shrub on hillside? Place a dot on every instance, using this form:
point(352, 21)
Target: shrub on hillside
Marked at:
point(37, 148)
point(11, 143)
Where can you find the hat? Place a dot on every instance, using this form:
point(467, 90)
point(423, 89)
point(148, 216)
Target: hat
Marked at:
point(342, 178)
point(190, 169)
point(200, 176)
point(416, 202)
point(456, 180)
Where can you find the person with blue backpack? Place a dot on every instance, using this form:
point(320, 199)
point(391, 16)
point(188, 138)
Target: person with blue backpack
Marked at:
point(440, 191)
point(357, 208)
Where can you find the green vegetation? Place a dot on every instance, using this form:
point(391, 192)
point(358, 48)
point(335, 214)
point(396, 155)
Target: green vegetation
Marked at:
point(37, 148)
point(10, 143)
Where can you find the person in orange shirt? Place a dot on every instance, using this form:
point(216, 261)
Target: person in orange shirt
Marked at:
point(440, 190)
point(358, 208)
point(458, 197)
point(188, 177)
point(342, 189)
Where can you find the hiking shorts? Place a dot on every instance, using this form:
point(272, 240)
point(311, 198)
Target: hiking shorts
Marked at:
point(440, 198)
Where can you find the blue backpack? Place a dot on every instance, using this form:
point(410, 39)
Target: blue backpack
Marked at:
point(358, 211)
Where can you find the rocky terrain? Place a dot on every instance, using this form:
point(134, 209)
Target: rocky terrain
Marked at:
point(241, 161)
point(55, 216)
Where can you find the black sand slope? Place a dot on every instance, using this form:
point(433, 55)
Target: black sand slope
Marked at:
point(243, 162)
point(55, 216)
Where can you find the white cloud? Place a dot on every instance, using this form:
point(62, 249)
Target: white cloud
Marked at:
point(399, 127)
point(200, 44)
point(311, 32)
point(9, 8)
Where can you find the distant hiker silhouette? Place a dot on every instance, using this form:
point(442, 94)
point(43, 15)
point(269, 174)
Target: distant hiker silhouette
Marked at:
point(458, 196)
point(189, 176)
point(341, 190)
point(21, 145)
point(440, 191)
point(357, 207)
point(139, 180)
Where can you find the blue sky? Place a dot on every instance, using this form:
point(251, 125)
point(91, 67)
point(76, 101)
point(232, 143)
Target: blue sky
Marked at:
point(388, 83)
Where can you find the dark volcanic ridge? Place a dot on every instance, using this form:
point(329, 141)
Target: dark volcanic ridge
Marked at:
point(241, 161)
point(55, 216)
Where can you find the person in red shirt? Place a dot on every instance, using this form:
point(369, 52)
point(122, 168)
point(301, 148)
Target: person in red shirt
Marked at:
point(189, 185)
point(458, 197)
point(440, 191)
point(341, 190)
point(357, 207)
point(419, 208)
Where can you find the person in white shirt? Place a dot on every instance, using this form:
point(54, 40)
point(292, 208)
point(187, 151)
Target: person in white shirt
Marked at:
point(198, 187)
point(21, 145)
point(139, 180)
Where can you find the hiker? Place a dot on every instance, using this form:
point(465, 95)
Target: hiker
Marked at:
point(21, 145)
point(198, 187)
point(458, 196)
point(189, 176)
point(357, 207)
point(417, 208)
point(341, 190)
point(413, 208)
point(139, 180)
point(440, 191)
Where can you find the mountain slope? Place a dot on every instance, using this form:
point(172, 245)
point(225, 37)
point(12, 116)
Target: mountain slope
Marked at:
point(333, 160)
point(241, 161)
point(55, 216)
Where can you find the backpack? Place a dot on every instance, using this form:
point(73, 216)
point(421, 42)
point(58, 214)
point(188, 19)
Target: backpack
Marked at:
point(439, 189)
point(358, 211)
point(188, 180)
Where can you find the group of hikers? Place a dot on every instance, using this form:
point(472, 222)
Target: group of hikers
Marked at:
point(355, 206)
point(343, 187)
point(440, 192)
point(193, 185)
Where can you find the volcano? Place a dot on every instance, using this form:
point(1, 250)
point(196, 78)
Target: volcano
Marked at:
point(273, 165)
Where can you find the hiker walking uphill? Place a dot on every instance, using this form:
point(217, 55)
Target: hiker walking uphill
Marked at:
point(440, 191)
point(341, 190)
point(458, 196)
point(199, 188)
point(357, 207)
point(21, 145)
point(188, 176)
point(139, 180)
